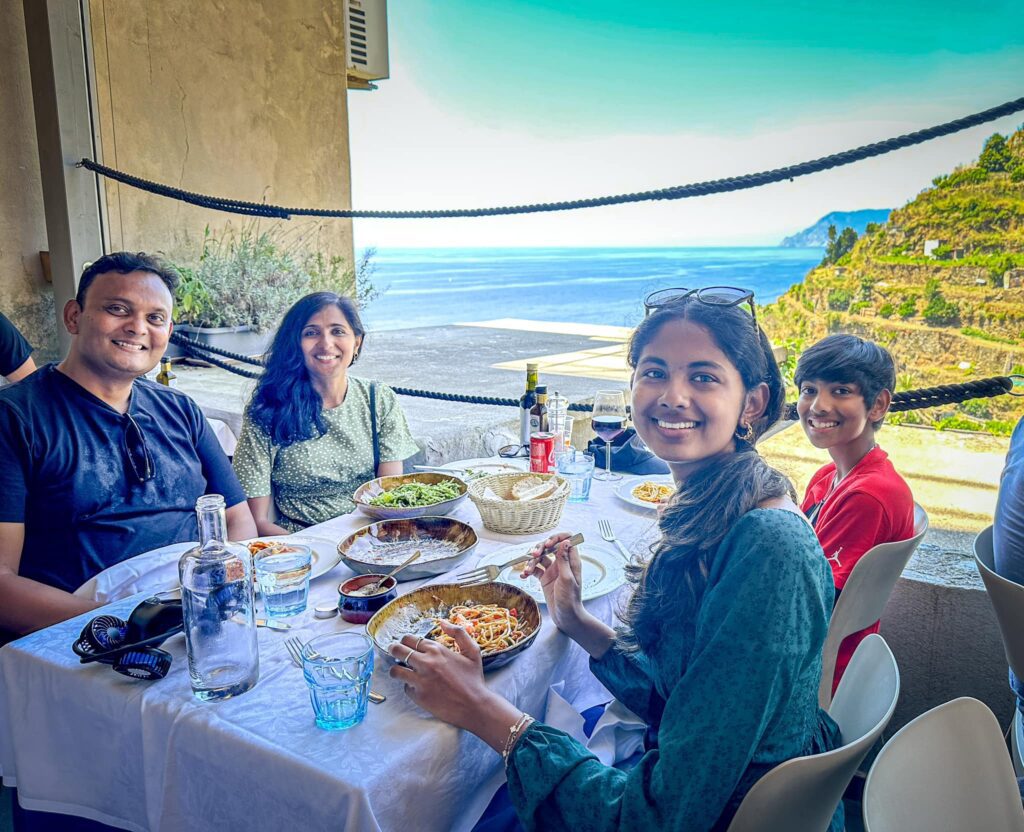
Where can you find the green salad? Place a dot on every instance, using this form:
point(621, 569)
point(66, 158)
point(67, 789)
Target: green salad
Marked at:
point(413, 494)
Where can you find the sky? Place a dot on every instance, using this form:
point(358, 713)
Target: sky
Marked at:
point(496, 102)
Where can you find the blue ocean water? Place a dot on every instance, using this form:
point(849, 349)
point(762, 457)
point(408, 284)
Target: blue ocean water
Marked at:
point(432, 287)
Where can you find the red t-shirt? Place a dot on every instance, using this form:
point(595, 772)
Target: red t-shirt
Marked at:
point(870, 505)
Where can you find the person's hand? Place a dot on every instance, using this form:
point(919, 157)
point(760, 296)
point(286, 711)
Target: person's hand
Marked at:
point(448, 684)
point(557, 566)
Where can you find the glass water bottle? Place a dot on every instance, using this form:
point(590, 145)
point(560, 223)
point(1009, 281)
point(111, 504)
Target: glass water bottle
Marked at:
point(220, 610)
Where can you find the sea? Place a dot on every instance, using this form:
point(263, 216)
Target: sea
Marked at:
point(439, 286)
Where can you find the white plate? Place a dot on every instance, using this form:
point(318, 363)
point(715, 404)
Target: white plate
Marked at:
point(604, 569)
point(486, 466)
point(625, 490)
point(325, 555)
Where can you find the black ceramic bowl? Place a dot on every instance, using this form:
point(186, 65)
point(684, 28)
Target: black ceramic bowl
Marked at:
point(358, 609)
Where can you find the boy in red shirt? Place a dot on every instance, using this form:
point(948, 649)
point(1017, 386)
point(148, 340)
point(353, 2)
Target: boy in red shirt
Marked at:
point(858, 500)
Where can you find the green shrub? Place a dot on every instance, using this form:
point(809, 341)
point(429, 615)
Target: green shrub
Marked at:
point(977, 407)
point(248, 276)
point(939, 311)
point(886, 310)
point(956, 423)
point(859, 306)
point(1017, 172)
point(974, 332)
point(966, 176)
point(908, 308)
point(839, 299)
point(999, 427)
point(995, 156)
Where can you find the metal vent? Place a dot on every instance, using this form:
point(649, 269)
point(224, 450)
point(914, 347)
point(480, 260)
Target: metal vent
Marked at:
point(366, 42)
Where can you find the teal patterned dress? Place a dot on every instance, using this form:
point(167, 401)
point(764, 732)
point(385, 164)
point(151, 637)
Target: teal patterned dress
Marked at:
point(729, 681)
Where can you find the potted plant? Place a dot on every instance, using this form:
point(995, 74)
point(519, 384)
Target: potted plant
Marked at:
point(244, 279)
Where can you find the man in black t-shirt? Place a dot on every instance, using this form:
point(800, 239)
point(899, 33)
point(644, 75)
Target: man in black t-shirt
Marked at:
point(100, 464)
point(15, 352)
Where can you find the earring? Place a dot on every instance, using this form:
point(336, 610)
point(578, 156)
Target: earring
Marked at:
point(744, 432)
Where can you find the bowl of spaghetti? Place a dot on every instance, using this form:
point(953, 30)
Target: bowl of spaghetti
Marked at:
point(502, 619)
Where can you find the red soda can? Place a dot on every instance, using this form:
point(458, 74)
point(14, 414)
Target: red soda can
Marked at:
point(542, 453)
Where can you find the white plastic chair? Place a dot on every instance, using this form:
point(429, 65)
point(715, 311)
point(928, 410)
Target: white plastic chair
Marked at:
point(801, 795)
point(945, 771)
point(1007, 599)
point(865, 595)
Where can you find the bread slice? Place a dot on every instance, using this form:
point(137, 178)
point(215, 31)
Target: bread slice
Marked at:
point(533, 488)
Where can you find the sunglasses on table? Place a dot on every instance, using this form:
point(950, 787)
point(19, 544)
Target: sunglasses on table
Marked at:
point(709, 295)
point(135, 449)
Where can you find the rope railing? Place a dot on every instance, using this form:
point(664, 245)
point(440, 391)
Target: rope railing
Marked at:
point(713, 186)
point(905, 400)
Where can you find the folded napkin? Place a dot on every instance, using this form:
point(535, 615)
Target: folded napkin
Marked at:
point(153, 571)
point(618, 734)
point(629, 454)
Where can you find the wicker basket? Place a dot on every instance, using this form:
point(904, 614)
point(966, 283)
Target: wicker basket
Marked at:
point(507, 516)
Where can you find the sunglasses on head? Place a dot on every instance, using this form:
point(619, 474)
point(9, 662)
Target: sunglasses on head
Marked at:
point(709, 295)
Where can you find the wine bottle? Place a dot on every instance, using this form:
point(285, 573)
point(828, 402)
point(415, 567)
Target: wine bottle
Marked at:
point(526, 403)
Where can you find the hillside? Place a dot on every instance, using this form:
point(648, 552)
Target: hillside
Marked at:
point(948, 315)
point(815, 236)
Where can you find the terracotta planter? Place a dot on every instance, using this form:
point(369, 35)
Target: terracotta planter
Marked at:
point(240, 339)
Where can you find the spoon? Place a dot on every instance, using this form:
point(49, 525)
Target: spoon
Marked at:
point(378, 584)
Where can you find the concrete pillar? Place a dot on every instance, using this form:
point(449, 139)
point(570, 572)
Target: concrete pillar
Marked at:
point(57, 35)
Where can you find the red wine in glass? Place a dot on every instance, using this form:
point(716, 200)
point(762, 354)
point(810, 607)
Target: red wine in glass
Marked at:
point(608, 427)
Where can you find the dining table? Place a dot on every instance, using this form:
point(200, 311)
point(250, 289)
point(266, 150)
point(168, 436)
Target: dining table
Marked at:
point(82, 740)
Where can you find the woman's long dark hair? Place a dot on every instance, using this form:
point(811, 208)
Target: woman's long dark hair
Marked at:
point(286, 405)
point(715, 496)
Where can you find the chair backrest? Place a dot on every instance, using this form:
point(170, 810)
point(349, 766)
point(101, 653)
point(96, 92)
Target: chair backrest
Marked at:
point(865, 595)
point(1007, 599)
point(801, 795)
point(946, 770)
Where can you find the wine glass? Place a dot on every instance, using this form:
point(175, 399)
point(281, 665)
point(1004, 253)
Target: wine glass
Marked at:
point(608, 421)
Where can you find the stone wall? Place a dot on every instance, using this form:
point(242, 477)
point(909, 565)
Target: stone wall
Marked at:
point(25, 296)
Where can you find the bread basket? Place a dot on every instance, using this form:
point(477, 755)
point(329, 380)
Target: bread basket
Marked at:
point(507, 516)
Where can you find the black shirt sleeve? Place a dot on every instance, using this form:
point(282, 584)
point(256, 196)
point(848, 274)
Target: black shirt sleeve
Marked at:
point(14, 349)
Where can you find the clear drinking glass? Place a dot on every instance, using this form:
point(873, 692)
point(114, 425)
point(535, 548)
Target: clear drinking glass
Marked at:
point(219, 608)
point(338, 667)
point(608, 420)
point(283, 577)
point(578, 469)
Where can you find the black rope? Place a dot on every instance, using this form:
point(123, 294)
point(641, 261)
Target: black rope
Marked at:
point(907, 400)
point(984, 388)
point(715, 186)
point(193, 347)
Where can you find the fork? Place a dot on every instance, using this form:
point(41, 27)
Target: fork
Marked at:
point(294, 647)
point(605, 528)
point(486, 574)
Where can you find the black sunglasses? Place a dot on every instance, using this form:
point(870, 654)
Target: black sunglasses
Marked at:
point(709, 295)
point(136, 451)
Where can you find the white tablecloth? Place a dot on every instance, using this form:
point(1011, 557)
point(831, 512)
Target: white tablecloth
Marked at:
point(84, 740)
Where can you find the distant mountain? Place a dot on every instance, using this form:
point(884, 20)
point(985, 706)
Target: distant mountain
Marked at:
point(817, 234)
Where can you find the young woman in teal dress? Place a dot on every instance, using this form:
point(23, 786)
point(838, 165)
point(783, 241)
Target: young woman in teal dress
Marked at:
point(720, 644)
point(308, 438)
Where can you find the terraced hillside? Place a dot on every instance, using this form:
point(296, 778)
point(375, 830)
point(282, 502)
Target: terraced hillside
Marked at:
point(941, 284)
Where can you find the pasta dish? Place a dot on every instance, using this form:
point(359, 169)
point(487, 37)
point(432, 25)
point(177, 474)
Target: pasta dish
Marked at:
point(492, 627)
point(652, 492)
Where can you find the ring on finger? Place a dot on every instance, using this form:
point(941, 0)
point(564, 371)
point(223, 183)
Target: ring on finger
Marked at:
point(416, 646)
point(409, 656)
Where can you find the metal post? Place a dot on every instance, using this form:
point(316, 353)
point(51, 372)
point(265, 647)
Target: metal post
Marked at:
point(57, 36)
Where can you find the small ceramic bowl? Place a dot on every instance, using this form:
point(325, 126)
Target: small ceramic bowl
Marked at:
point(358, 609)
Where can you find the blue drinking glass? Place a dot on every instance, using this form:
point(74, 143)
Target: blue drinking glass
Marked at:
point(338, 667)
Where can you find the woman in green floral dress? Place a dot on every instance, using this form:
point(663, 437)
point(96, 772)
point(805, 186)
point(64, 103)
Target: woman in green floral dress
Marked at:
point(720, 646)
point(307, 436)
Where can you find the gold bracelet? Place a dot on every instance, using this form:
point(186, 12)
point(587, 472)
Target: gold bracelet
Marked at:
point(514, 733)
